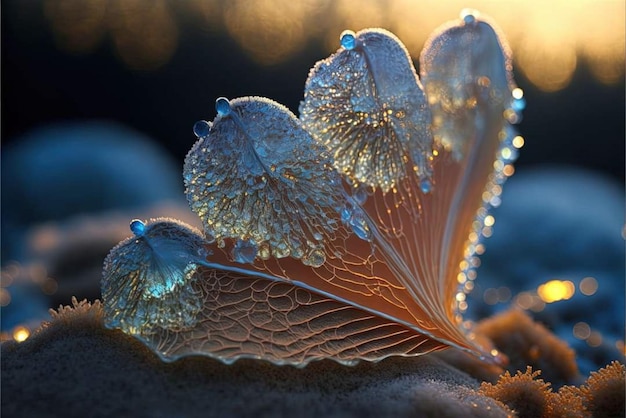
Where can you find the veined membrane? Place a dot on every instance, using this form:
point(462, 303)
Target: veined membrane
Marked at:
point(258, 176)
point(366, 105)
point(343, 236)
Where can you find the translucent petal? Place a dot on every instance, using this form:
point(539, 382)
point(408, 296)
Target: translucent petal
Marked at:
point(366, 104)
point(245, 316)
point(259, 176)
point(466, 71)
point(160, 288)
point(298, 264)
point(146, 277)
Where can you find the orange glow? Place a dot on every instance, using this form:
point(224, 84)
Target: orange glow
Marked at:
point(556, 290)
point(549, 39)
point(20, 334)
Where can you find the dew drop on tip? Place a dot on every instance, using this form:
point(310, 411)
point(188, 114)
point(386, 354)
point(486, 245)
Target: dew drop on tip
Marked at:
point(201, 128)
point(426, 186)
point(468, 16)
point(137, 227)
point(222, 106)
point(348, 39)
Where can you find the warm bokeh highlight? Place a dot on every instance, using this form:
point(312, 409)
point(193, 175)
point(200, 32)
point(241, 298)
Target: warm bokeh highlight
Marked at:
point(549, 39)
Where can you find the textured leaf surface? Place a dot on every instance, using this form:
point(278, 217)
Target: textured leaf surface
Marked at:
point(259, 176)
point(367, 106)
point(346, 236)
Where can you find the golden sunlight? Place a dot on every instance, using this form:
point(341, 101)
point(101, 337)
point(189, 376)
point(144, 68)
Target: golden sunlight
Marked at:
point(20, 334)
point(549, 39)
point(556, 290)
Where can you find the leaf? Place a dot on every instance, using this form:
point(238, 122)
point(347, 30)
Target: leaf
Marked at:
point(228, 312)
point(365, 103)
point(345, 240)
point(258, 176)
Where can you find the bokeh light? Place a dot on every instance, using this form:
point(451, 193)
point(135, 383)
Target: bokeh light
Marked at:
point(21, 333)
point(556, 290)
point(588, 286)
point(549, 39)
point(144, 32)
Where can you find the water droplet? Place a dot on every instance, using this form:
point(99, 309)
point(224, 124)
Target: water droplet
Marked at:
point(137, 227)
point(315, 259)
point(348, 39)
point(346, 214)
point(244, 251)
point(360, 228)
point(201, 128)
point(360, 194)
point(264, 251)
point(469, 15)
point(426, 186)
point(281, 251)
point(222, 106)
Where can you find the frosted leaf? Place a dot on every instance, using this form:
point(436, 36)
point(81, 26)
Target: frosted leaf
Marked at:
point(259, 176)
point(466, 72)
point(146, 277)
point(365, 103)
point(298, 265)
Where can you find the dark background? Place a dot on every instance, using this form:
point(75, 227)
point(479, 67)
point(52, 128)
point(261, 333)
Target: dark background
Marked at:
point(581, 125)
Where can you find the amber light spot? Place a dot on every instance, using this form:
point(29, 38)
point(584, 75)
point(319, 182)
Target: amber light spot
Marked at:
point(556, 290)
point(20, 334)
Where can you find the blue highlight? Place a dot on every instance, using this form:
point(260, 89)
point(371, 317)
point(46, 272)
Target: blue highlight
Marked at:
point(138, 227)
point(222, 106)
point(348, 40)
point(202, 128)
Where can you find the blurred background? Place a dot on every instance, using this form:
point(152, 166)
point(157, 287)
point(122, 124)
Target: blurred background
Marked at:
point(99, 98)
point(157, 65)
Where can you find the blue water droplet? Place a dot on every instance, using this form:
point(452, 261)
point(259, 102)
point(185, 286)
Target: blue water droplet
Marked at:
point(315, 258)
point(201, 128)
point(360, 194)
point(468, 16)
point(222, 106)
point(519, 104)
point(348, 39)
point(426, 186)
point(359, 226)
point(245, 251)
point(346, 214)
point(137, 227)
